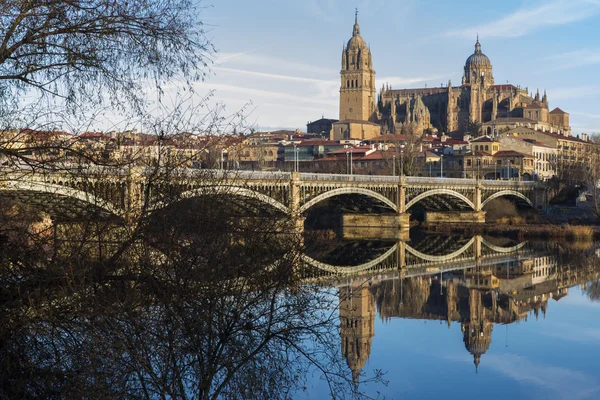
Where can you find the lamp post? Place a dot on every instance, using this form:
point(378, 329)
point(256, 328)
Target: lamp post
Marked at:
point(347, 168)
point(394, 165)
point(350, 161)
point(442, 165)
point(221, 159)
point(295, 159)
point(402, 160)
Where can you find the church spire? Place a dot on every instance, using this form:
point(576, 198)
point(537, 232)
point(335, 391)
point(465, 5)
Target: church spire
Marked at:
point(356, 30)
point(477, 46)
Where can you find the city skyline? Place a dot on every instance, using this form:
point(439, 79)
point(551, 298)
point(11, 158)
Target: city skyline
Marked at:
point(284, 58)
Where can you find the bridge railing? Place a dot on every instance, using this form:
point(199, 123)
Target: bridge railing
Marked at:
point(491, 182)
point(440, 181)
point(348, 178)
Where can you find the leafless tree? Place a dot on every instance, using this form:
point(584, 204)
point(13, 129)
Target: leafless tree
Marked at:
point(82, 50)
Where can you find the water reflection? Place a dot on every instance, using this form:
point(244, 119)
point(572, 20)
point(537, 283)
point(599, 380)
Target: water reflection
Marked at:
point(505, 284)
point(234, 310)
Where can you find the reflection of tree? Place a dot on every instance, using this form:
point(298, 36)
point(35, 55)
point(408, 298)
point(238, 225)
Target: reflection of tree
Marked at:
point(593, 290)
point(202, 304)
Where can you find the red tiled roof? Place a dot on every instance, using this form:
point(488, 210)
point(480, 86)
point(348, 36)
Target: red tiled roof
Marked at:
point(509, 153)
point(562, 137)
point(483, 139)
point(476, 153)
point(558, 111)
point(306, 143)
point(387, 138)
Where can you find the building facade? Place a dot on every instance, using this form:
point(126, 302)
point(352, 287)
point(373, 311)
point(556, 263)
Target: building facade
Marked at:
point(478, 100)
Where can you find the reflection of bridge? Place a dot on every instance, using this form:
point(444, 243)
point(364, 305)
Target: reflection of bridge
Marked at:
point(120, 191)
point(477, 299)
point(476, 252)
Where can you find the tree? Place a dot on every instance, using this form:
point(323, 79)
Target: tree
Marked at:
point(82, 50)
point(472, 128)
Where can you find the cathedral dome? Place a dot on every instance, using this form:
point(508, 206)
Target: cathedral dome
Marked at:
point(478, 58)
point(356, 41)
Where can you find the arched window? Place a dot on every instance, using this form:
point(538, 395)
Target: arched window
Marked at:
point(486, 148)
point(476, 148)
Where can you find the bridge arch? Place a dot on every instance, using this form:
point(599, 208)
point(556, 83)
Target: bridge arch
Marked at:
point(507, 193)
point(444, 257)
point(51, 188)
point(499, 249)
point(232, 190)
point(347, 269)
point(433, 192)
point(348, 190)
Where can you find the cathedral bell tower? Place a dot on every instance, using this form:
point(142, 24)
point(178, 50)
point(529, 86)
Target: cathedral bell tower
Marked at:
point(357, 90)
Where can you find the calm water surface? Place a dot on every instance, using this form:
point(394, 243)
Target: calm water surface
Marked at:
point(510, 321)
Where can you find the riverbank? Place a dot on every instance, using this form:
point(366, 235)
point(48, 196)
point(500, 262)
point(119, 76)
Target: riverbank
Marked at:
point(519, 230)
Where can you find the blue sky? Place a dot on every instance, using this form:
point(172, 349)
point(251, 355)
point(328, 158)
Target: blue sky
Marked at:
point(284, 55)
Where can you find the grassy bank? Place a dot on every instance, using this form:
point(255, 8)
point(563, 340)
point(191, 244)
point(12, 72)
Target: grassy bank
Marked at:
point(518, 229)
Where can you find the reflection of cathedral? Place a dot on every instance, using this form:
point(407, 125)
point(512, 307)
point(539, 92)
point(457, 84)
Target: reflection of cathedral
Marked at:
point(357, 327)
point(477, 299)
point(446, 108)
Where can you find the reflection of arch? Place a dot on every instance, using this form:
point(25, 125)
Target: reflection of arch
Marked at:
point(499, 249)
point(507, 193)
point(439, 191)
point(348, 190)
point(230, 190)
point(347, 269)
point(49, 188)
point(444, 257)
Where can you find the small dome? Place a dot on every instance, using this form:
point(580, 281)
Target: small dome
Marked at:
point(356, 42)
point(478, 58)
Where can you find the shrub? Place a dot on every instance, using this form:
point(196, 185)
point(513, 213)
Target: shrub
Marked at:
point(501, 209)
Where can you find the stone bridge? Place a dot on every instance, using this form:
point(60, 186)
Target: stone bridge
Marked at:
point(402, 258)
point(121, 191)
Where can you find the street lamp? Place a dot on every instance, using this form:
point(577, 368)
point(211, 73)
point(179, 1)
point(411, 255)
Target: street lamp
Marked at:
point(394, 165)
point(442, 165)
point(402, 160)
point(295, 158)
point(350, 161)
point(221, 159)
point(347, 168)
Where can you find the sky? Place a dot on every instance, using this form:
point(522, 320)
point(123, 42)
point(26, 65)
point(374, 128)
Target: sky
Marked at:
point(279, 60)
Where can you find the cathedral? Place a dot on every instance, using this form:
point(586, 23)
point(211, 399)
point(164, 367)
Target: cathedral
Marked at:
point(478, 101)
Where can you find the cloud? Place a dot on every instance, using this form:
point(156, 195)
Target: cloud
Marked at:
point(254, 59)
point(528, 19)
point(573, 59)
point(573, 92)
point(588, 115)
point(563, 382)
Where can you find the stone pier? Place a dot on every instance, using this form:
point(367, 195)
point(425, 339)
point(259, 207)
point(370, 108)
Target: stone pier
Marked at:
point(454, 217)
